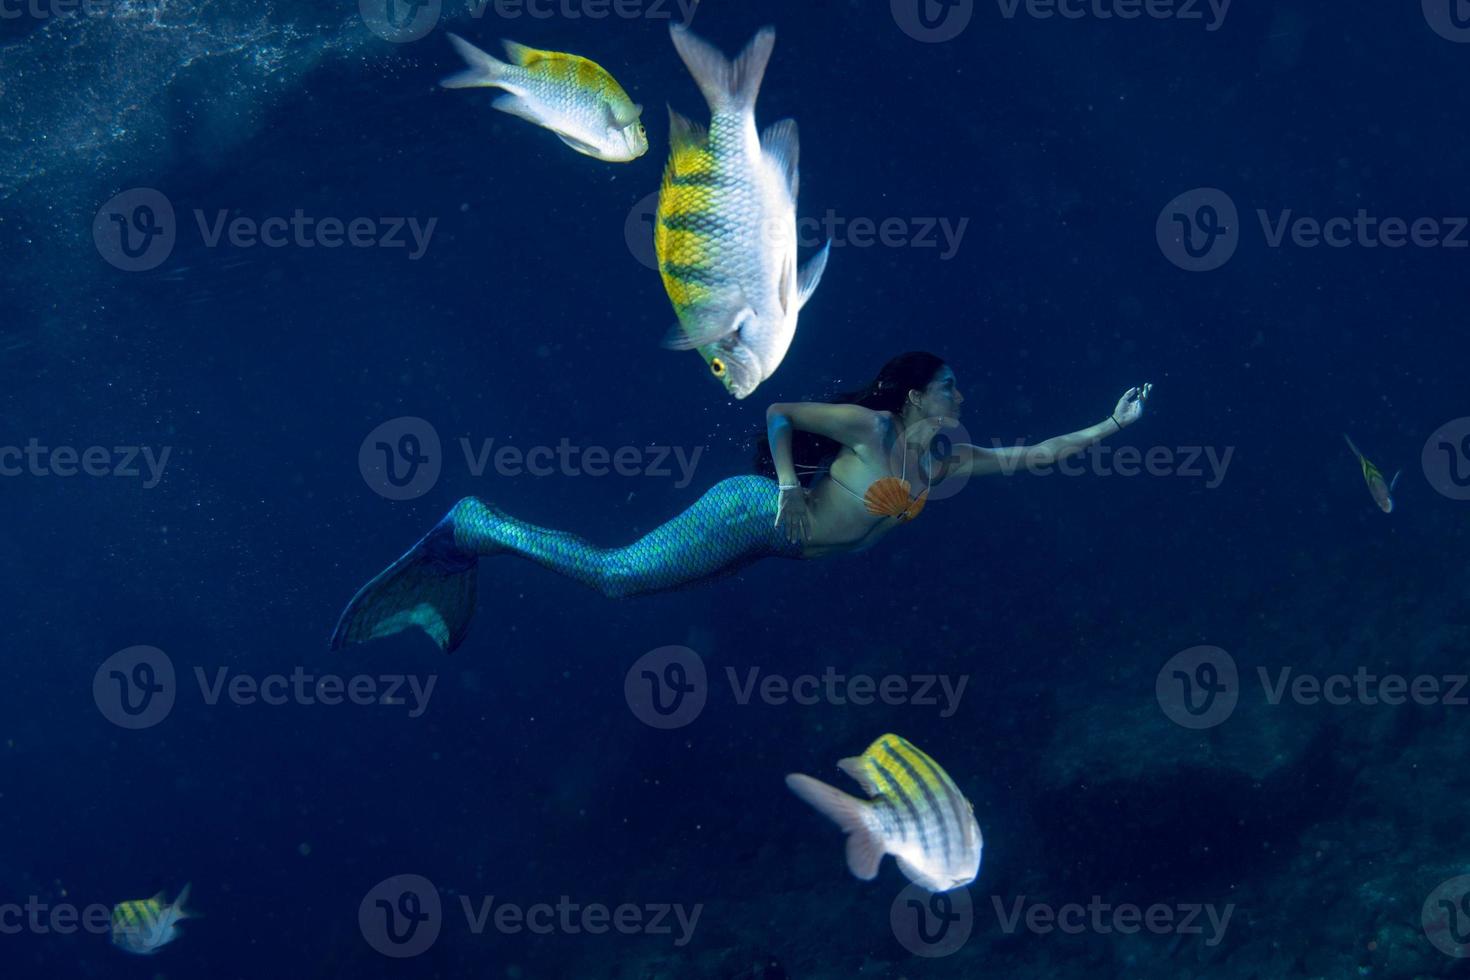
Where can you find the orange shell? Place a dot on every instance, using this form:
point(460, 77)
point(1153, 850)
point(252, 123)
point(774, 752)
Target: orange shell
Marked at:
point(889, 497)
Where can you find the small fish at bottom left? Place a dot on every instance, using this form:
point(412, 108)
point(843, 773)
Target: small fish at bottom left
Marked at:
point(147, 925)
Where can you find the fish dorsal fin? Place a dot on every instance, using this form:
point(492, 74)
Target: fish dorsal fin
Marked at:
point(521, 55)
point(685, 133)
point(780, 143)
point(857, 767)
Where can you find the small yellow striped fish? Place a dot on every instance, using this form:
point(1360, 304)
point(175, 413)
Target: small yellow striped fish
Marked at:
point(917, 814)
point(1381, 489)
point(573, 97)
point(726, 231)
point(145, 927)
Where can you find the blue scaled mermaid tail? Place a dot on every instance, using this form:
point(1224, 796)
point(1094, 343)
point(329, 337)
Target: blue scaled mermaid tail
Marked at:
point(433, 586)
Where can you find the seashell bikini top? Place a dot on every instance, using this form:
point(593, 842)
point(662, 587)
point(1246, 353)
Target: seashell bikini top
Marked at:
point(890, 496)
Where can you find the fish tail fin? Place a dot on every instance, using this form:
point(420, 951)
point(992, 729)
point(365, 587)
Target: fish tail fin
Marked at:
point(431, 587)
point(1351, 446)
point(854, 816)
point(731, 85)
point(178, 908)
point(484, 70)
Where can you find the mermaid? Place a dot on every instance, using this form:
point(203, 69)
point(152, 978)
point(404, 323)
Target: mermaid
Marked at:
point(872, 458)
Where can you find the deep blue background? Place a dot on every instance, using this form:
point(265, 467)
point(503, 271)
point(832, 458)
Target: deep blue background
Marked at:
point(529, 320)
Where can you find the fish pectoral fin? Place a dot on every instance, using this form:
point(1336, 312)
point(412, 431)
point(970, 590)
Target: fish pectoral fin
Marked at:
point(779, 142)
point(811, 275)
point(705, 325)
point(1395, 481)
point(622, 120)
point(576, 144)
point(517, 106)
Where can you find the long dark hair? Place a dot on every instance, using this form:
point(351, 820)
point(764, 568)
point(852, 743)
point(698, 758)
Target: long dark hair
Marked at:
point(885, 393)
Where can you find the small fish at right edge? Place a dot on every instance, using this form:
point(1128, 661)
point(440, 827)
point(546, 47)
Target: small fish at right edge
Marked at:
point(1382, 492)
point(916, 813)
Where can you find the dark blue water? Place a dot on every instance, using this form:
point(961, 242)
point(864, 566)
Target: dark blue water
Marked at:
point(1055, 143)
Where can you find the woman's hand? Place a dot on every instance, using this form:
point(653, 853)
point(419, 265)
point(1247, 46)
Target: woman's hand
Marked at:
point(792, 516)
point(1130, 406)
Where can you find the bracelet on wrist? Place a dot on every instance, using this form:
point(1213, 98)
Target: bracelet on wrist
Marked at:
point(1115, 421)
point(783, 487)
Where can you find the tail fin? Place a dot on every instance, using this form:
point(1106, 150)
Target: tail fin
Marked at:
point(484, 71)
point(432, 587)
point(732, 86)
point(1351, 446)
point(178, 909)
point(864, 846)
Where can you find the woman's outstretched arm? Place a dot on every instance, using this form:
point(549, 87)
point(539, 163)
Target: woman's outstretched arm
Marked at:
point(980, 461)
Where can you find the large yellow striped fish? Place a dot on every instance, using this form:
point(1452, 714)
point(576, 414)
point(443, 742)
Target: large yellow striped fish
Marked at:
point(573, 97)
point(726, 231)
point(916, 813)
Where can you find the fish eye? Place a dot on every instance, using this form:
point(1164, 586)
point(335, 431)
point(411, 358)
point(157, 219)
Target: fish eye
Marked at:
point(717, 367)
point(641, 130)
